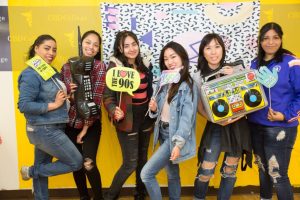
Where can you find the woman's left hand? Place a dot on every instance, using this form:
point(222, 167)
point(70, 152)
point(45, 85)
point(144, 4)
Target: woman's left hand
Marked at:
point(227, 70)
point(175, 153)
point(73, 88)
point(275, 115)
point(82, 134)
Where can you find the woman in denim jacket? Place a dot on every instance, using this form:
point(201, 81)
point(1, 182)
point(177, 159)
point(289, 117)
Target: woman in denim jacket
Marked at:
point(175, 108)
point(44, 105)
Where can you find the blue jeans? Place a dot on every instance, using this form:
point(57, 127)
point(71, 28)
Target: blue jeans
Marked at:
point(272, 148)
point(211, 155)
point(159, 160)
point(50, 141)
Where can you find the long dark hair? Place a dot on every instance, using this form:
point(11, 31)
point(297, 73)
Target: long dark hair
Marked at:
point(202, 65)
point(184, 72)
point(38, 41)
point(261, 53)
point(98, 55)
point(119, 43)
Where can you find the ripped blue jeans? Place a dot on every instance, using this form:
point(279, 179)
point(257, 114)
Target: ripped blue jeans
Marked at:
point(211, 157)
point(272, 149)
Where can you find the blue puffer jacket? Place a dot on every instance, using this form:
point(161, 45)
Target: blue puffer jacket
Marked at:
point(183, 108)
point(35, 94)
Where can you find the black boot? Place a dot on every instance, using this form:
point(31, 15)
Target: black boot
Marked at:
point(85, 198)
point(140, 196)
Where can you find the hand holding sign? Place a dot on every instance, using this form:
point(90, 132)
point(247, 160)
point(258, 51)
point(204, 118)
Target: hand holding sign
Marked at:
point(123, 79)
point(266, 77)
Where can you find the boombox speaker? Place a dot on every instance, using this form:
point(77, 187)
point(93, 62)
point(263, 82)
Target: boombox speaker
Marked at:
point(232, 96)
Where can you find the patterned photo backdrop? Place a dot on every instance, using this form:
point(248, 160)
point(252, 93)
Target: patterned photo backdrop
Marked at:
point(186, 23)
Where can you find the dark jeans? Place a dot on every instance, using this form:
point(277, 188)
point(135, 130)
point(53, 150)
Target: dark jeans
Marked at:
point(134, 148)
point(88, 150)
point(212, 155)
point(272, 148)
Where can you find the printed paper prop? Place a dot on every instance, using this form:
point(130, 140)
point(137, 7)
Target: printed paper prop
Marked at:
point(123, 79)
point(266, 77)
point(169, 76)
point(41, 67)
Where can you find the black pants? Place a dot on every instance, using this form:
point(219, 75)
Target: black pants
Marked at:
point(134, 147)
point(88, 150)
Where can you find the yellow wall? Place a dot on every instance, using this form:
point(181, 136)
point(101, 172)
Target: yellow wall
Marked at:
point(28, 19)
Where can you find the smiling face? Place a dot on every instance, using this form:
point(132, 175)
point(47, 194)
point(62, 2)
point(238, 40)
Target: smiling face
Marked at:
point(270, 43)
point(46, 50)
point(172, 60)
point(213, 53)
point(90, 45)
point(130, 49)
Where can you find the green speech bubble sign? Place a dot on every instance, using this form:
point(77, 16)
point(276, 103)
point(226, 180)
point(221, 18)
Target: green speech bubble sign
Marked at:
point(123, 79)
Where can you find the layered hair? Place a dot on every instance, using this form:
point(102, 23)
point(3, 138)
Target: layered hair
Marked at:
point(38, 41)
point(184, 72)
point(119, 50)
point(98, 55)
point(261, 53)
point(202, 65)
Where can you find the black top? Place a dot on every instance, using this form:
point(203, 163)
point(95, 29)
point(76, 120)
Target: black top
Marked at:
point(235, 139)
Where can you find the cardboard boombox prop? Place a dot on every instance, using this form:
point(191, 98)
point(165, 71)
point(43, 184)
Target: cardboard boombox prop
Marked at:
point(232, 95)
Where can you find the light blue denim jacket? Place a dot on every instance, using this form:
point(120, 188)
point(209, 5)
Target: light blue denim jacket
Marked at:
point(35, 94)
point(183, 108)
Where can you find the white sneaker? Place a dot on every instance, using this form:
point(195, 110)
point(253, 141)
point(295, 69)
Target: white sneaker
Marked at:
point(25, 173)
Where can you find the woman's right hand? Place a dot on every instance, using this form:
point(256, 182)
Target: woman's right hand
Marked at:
point(153, 105)
point(227, 70)
point(60, 98)
point(119, 114)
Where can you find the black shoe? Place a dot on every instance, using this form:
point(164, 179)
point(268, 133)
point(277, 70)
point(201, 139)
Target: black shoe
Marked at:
point(139, 196)
point(106, 196)
point(85, 198)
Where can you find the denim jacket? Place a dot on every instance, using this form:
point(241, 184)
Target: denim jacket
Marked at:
point(183, 108)
point(35, 94)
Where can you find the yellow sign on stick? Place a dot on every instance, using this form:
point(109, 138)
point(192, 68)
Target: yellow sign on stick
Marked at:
point(41, 67)
point(123, 79)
